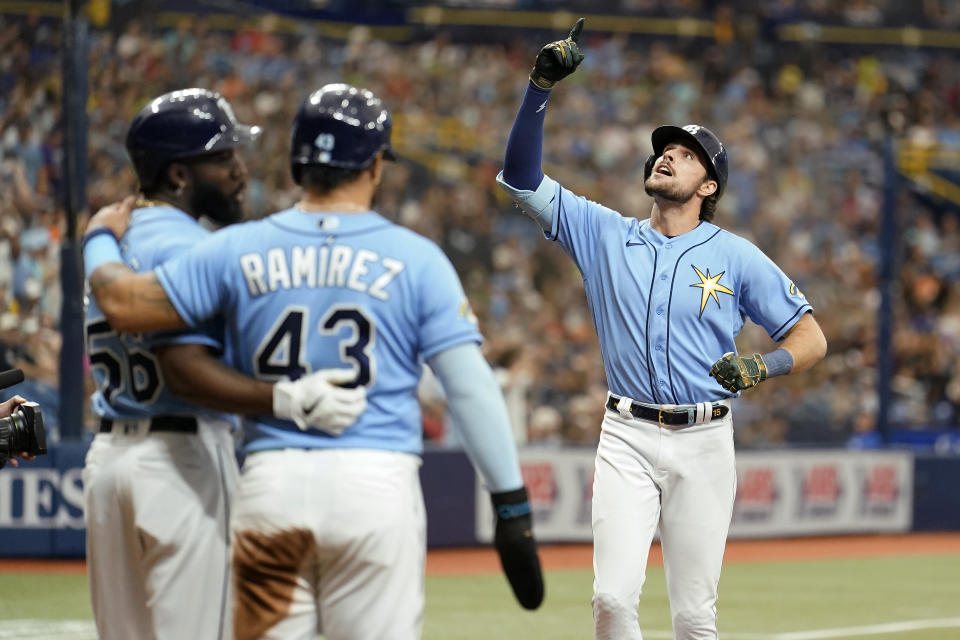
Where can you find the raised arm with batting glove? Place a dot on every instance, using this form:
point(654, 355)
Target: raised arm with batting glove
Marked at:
point(522, 176)
point(558, 59)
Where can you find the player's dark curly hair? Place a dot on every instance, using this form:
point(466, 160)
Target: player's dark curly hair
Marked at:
point(321, 178)
point(708, 207)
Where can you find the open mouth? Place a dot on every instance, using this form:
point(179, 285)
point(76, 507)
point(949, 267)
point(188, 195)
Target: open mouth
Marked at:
point(664, 170)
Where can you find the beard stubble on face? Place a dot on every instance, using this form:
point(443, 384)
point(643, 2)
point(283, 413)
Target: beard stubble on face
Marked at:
point(672, 192)
point(210, 201)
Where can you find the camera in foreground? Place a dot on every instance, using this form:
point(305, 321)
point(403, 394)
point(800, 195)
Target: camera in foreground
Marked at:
point(22, 432)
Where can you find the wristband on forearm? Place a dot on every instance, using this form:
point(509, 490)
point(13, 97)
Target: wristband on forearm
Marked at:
point(779, 363)
point(99, 247)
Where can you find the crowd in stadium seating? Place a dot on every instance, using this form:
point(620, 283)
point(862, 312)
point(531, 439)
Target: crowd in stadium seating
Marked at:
point(803, 127)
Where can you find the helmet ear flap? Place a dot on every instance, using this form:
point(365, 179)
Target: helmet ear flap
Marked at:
point(648, 167)
point(647, 170)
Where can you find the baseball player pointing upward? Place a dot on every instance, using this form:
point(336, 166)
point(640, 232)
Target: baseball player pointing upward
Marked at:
point(668, 296)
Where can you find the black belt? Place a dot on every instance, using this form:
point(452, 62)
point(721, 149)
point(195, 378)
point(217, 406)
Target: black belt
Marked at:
point(672, 417)
point(176, 424)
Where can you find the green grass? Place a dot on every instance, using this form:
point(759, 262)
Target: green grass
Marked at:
point(755, 599)
point(44, 596)
point(761, 599)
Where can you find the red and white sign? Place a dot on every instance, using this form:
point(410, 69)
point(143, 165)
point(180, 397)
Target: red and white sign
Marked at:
point(779, 493)
point(821, 492)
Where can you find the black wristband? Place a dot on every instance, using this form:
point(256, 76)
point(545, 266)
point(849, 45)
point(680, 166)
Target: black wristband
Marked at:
point(511, 504)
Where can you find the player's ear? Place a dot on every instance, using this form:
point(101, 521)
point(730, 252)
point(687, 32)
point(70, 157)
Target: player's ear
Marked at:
point(178, 176)
point(708, 188)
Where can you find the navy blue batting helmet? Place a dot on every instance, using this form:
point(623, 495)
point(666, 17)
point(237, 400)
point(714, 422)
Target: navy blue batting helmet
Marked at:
point(339, 126)
point(182, 124)
point(701, 138)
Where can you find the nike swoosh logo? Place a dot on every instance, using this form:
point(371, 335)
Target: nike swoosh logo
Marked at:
point(631, 243)
point(311, 407)
point(542, 107)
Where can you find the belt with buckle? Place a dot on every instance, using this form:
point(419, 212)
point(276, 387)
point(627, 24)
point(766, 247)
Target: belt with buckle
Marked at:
point(172, 424)
point(668, 417)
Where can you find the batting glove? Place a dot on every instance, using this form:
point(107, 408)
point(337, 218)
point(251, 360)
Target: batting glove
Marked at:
point(514, 542)
point(736, 373)
point(558, 59)
point(316, 402)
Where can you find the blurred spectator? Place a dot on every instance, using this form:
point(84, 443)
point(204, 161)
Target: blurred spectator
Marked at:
point(803, 126)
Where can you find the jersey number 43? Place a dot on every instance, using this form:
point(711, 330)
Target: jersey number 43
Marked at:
point(283, 351)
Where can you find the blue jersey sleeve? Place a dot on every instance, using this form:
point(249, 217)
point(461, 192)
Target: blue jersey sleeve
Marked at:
point(160, 235)
point(445, 316)
point(194, 281)
point(577, 226)
point(769, 298)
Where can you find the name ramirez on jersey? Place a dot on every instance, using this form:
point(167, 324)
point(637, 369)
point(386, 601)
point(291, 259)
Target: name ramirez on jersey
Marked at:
point(315, 267)
point(300, 292)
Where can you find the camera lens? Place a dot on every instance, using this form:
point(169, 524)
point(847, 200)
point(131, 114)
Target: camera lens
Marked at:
point(13, 435)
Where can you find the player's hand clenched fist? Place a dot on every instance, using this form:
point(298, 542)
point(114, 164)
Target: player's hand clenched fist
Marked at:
point(516, 546)
point(736, 373)
point(315, 401)
point(558, 59)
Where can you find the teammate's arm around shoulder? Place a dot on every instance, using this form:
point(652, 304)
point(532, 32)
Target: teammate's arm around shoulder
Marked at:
point(479, 414)
point(130, 301)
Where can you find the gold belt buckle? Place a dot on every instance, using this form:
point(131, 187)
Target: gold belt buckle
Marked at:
point(660, 417)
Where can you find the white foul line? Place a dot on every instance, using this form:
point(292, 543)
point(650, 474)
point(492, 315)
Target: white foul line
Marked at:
point(870, 629)
point(827, 634)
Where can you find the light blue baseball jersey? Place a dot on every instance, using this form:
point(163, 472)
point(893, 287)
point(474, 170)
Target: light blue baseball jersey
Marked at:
point(307, 291)
point(665, 309)
point(128, 377)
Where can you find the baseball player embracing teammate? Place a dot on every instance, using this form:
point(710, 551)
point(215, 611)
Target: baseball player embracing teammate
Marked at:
point(668, 296)
point(160, 473)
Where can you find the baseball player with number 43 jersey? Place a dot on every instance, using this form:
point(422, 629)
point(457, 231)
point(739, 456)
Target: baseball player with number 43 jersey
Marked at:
point(668, 296)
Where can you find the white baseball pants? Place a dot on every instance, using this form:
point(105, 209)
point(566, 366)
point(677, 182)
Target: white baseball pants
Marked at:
point(157, 510)
point(331, 541)
point(682, 480)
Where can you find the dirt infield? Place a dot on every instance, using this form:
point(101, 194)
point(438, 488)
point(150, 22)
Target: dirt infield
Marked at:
point(460, 561)
point(579, 556)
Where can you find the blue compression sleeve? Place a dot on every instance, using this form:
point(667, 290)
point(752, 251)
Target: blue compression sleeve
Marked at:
point(523, 158)
point(99, 247)
point(479, 415)
point(778, 362)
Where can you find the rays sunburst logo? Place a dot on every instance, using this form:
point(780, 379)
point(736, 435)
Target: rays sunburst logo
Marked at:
point(709, 287)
